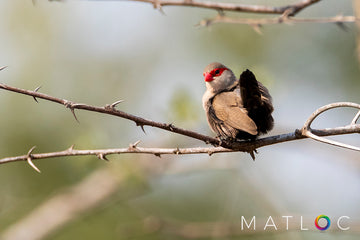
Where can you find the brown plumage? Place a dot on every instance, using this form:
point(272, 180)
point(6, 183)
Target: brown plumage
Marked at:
point(236, 109)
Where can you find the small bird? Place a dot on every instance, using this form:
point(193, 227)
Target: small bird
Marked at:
point(236, 109)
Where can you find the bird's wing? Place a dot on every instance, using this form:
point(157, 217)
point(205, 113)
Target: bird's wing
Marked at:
point(228, 108)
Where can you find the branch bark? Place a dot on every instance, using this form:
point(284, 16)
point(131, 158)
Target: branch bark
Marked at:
point(294, 8)
point(287, 12)
point(220, 146)
point(276, 20)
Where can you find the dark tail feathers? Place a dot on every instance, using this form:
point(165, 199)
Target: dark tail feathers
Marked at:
point(257, 101)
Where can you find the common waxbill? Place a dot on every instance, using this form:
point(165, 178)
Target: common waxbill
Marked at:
point(236, 109)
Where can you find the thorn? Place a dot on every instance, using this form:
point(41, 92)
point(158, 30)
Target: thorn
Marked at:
point(73, 112)
point(171, 127)
point(71, 148)
point(342, 26)
point(142, 127)
point(69, 104)
point(210, 153)
point(177, 151)
point(157, 5)
point(29, 159)
point(134, 145)
point(33, 165)
point(252, 154)
point(157, 155)
point(31, 150)
point(36, 89)
point(161, 10)
point(102, 156)
point(113, 105)
point(2, 68)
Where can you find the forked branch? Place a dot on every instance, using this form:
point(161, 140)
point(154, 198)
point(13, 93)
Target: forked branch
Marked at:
point(286, 13)
point(307, 131)
point(219, 146)
point(235, 7)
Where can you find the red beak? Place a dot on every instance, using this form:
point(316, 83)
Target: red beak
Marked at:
point(208, 77)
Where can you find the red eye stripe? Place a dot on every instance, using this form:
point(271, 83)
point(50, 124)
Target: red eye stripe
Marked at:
point(217, 71)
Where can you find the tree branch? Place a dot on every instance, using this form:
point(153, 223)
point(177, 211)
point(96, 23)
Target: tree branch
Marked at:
point(256, 23)
point(110, 110)
point(306, 131)
point(295, 8)
point(221, 146)
point(287, 12)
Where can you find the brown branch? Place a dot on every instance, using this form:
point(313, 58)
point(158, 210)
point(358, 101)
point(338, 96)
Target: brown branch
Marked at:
point(110, 109)
point(139, 121)
point(294, 8)
point(221, 146)
point(286, 12)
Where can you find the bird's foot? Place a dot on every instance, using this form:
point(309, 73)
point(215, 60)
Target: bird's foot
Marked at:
point(221, 139)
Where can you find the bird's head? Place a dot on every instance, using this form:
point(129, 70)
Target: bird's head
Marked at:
point(218, 77)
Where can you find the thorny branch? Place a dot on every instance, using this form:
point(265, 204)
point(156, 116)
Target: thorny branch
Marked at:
point(221, 6)
point(287, 12)
point(220, 146)
point(257, 23)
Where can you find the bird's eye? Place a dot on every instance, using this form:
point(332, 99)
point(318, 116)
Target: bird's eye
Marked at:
point(217, 71)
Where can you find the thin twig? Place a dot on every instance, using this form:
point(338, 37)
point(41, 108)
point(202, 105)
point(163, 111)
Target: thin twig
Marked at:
point(295, 8)
point(133, 148)
point(307, 131)
point(286, 12)
point(105, 152)
point(276, 20)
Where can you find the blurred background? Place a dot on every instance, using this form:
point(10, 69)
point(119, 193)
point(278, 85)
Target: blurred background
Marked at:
point(98, 52)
